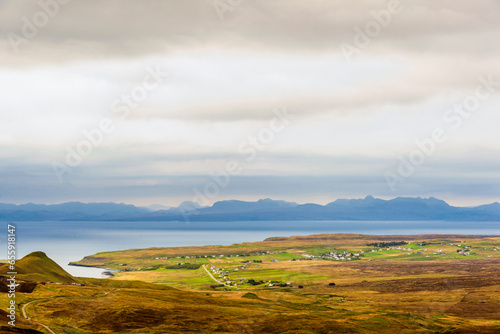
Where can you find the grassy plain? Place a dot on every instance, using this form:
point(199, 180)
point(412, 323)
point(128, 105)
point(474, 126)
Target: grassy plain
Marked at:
point(430, 284)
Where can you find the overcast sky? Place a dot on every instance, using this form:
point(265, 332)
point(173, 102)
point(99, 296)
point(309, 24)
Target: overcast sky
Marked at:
point(361, 81)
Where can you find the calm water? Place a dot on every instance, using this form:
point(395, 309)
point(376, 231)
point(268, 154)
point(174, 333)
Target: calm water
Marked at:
point(71, 241)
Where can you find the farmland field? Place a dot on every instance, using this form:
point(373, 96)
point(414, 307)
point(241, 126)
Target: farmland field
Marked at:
point(338, 283)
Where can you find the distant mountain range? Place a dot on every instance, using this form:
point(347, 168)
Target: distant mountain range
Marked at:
point(369, 208)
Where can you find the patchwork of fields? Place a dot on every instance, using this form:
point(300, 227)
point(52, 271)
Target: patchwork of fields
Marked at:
point(340, 283)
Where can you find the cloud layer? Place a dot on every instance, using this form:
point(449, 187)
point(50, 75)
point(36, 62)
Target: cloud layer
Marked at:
point(353, 118)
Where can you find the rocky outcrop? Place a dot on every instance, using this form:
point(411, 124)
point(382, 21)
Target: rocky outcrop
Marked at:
point(24, 286)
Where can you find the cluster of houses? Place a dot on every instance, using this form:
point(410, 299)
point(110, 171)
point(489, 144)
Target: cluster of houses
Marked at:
point(223, 274)
point(409, 249)
point(341, 256)
point(439, 252)
point(347, 256)
point(214, 256)
point(396, 248)
point(464, 252)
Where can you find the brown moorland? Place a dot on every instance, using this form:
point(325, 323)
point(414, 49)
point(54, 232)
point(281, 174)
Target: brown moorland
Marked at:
point(431, 284)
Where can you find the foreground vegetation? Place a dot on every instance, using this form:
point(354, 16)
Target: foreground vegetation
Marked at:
point(314, 284)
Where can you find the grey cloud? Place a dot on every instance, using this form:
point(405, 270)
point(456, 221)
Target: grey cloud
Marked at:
point(96, 28)
point(299, 188)
point(440, 48)
point(473, 177)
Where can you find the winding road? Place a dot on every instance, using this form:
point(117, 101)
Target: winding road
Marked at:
point(210, 274)
point(25, 315)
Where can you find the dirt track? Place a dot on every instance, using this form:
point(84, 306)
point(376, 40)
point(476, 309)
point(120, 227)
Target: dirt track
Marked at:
point(25, 315)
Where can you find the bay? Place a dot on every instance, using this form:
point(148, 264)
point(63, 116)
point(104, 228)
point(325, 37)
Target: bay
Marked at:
point(66, 241)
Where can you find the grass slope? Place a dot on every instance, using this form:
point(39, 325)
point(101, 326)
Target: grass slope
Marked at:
point(388, 290)
point(38, 267)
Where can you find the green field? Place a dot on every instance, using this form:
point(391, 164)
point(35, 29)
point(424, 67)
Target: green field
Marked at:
point(314, 284)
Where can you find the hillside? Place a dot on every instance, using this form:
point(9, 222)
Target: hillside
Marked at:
point(337, 283)
point(38, 267)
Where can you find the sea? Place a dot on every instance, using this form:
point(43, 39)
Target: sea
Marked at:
point(66, 241)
